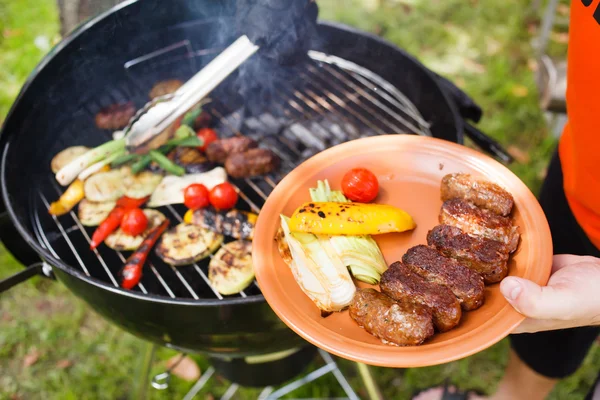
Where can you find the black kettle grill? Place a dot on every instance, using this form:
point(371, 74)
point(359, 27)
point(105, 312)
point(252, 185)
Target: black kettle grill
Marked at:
point(355, 84)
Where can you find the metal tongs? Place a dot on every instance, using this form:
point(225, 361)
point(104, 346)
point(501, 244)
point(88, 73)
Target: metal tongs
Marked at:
point(158, 114)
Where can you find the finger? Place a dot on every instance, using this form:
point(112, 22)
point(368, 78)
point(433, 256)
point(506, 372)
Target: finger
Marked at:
point(534, 301)
point(560, 261)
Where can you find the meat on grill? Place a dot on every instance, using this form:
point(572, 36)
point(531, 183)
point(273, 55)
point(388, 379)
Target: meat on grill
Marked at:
point(393, 322)
point(165, 87)
point(219, 150)
point(251, 163)
point(466, 285)
point(115, 116)
point(487, 257)
point(400, 283)
point(476, 221)
point(482, 193)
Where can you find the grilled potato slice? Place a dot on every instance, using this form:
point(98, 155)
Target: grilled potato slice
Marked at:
point(121, 241)
point(186, 244)
point(66, 156)
point(93, 213)
point(230, 271)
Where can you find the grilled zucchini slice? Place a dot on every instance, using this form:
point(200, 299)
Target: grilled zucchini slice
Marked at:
point(121, 241)
point(66, 156)
point(141, 185)
point(186, 244)
point(92, 213)
point(104, 186)
point(230, 271)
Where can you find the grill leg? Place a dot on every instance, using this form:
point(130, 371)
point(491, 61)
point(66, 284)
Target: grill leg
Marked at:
point(141, 381)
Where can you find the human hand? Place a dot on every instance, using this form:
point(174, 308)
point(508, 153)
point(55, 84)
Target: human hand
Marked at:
point(570, 299)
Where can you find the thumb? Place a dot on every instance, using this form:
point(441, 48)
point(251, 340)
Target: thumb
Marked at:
point(538, 302)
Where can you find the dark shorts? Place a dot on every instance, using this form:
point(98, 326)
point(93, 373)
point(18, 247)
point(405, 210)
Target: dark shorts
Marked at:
point(557, 354)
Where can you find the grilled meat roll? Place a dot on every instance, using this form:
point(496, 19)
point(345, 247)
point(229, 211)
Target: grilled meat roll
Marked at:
point(480, 222)
point(251, 163)
point(235, 223)
point(482, 193)
point(398, 323)
point(115, 116)
point(488, 258)
point(466, 285)
point(400, 283)
point(219, 150)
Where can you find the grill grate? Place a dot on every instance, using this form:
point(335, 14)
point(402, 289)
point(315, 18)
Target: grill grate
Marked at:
point(337, 101)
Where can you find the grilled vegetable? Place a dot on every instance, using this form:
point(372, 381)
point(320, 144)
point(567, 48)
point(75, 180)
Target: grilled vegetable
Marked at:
point(93, 213)
point(108, 226)
point(131, 273)
point(191, 159)
point(207, 135)
point(329, 218)
point(186, 244)
point(69, 199)
point(196, 196)
point(166, 164)
point(319, 271)
point(70, 171)
point(105, 186)
point(360, 185)
point(100, 166)
point(235, 223)
point(170, 190)
point(119, 240)
point(128, 202)
point(141, 185)
point(223, 196)
point(359, 253)
point(66, 156)
point(231, 271)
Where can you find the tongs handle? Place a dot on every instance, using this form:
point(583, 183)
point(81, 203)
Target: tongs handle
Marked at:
point(195, 89)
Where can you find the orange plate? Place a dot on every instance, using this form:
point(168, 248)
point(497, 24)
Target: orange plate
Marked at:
point(409, 169)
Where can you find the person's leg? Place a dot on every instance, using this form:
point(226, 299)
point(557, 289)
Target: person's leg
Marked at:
point(540, 360)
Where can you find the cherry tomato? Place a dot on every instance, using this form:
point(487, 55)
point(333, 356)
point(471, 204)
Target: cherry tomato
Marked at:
point(134, 222)
point(223, 196)
point(196, 196)
point(208, 135)
point(360, 185)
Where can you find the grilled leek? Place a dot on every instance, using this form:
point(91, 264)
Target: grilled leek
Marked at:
point(340, 218)
point(360, 254)
point(318, 269)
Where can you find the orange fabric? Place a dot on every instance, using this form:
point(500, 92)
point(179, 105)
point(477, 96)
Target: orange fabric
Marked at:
point(579, 147)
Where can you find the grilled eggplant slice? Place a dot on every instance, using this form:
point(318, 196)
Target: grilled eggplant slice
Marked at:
point(231, 271)
point(66, 156)
point(141, 185)
point(235, 223)
point(104, 186)
point(92, 213)
point(121, 241)
point(186, 244)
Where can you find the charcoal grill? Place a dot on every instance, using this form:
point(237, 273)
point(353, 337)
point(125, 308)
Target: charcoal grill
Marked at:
point(353, 85)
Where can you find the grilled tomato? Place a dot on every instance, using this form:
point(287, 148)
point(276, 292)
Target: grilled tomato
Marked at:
point(134, 222)
point(360, 185)
point(223, 196)
point(196, 196)
point(208, 136)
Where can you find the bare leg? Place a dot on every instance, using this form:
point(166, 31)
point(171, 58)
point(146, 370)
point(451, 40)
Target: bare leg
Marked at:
point(521, 382)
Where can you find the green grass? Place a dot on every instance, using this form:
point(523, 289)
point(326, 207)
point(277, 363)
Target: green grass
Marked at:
point(482, 45)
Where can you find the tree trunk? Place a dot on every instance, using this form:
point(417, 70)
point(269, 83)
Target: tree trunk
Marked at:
point(73, 12)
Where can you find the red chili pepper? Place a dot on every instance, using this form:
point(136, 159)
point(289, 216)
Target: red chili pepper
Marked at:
point(108, 226)
point(131, 273)
point(129, 203)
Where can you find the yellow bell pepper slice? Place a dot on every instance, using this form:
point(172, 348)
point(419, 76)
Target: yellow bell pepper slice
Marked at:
point(69, 199)
point(331, 218)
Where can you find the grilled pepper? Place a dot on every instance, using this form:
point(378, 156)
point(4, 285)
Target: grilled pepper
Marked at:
point(69, 199)
point(330, 218)
point(235, 223)
point(108, 226)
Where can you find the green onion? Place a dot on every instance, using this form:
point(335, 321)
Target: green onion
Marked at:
point(92, 169)
point(190, 116)
point(192, 141)
point(124, 159)
point(184, 131)
point(166, 164)
point(140, 164)
point(69, 172)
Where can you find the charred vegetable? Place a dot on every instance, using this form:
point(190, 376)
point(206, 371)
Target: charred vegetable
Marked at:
point(191, 159)
point(93, 213)
point(66, 156)
point(69, 199)
point(186, 244)
point(105, 186)
point(231, 271)
point(141, 185)
point(336, 218)
point(235, 223)
point(171, 188)
point(119, 240)
point(131, 273)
